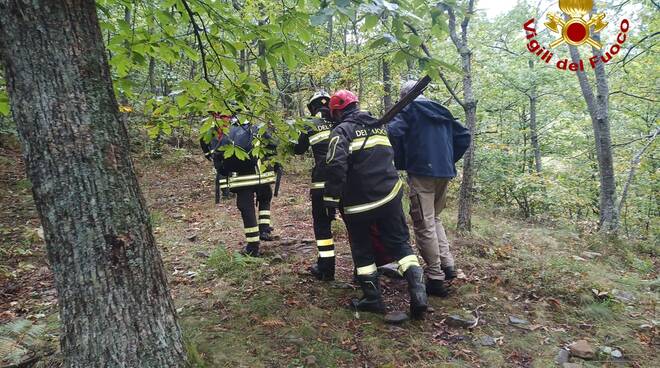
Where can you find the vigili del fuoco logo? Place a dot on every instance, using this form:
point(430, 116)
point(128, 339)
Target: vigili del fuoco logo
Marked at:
point(573, 29)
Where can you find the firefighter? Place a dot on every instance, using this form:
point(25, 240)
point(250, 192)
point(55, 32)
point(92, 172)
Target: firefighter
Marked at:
point(317, 137)
point(362, 182)
point(246, 178)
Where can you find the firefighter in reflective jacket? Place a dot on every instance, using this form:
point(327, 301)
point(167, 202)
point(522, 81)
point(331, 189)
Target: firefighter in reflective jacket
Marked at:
point(317, 137)
point(362, 182)
point(247, 177)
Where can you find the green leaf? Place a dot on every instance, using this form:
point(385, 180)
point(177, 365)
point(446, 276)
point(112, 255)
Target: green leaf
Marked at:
point(230, 47)
point(228, 150)
point(370, 21)
point(380, 42)
point(400, 57)
point(289, 58)
point(304, 34)
point(414, 41)
point(153, 132)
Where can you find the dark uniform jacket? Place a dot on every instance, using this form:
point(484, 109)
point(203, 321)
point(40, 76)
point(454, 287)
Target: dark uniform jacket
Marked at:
point(317, 137)
point(248, 172)
point(427, 139)
point(360, 174)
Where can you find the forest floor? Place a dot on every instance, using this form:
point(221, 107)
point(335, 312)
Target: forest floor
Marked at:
point(534, 288)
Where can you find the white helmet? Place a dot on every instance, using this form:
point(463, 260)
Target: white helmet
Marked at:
point(322, 95)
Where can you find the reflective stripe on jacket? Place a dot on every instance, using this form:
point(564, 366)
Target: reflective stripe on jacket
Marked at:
point(359, 166)
point(316, 137)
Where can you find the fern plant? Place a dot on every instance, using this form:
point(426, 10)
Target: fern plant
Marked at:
point(18, 338)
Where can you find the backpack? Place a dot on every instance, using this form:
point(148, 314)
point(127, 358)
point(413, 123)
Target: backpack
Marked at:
point(240, 136)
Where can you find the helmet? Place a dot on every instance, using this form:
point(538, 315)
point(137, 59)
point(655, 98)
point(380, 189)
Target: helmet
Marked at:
point(323, 96)
point(318, 101)
point(341, 99)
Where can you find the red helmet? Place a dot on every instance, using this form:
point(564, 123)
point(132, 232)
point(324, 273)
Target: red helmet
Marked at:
point(340, 100)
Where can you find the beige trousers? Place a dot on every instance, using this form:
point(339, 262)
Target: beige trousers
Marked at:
point(427, 200)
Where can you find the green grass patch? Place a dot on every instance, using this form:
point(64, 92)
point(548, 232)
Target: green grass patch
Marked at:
point(234, 267)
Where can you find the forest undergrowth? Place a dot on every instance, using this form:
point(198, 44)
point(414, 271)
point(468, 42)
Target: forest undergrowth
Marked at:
point(532, 289)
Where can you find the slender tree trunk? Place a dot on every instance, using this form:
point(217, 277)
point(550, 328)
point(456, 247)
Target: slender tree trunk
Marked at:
point(330, 35)
point(152, 75)
point(464, 223)
point(115, 306)
point(359, 68)
point(345, 41)
point(469, 104)
point(598, 106)
point(387, 86)
point(241, 66)
point(263, 71)
point(533, 99)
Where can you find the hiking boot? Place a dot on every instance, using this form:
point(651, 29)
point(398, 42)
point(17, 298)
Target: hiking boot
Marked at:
point(436, 288)
point(418, 298)
point(450, 273)
point(324, 269)
point(372, 300)
point(251, 250)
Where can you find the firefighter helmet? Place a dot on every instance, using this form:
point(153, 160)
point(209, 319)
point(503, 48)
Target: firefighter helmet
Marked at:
point(340, 100)
point(322, 97)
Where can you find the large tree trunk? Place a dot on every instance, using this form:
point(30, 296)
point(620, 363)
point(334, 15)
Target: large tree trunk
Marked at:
point(115, 307)
point(598, 107)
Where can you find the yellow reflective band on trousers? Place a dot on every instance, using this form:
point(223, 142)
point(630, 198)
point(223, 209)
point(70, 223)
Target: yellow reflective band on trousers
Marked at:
point(330, 199)
point(319, 137)
point(248, 180)
point(367, 270)
point(373, 141)
point(406, 262)
point(251, 229)
point(327, 254)
point(264, 212)
point(370, 206)
point(318, 185)
point(252, 239)
point(324, 242)
point(264, 221)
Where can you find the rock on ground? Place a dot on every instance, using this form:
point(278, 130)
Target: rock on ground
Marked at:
point(582, 349)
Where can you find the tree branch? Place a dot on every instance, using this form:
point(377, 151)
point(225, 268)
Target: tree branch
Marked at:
point(632, 95)
point(200, 44)
point(444, 79)
point(452, 24)
point(633, 167)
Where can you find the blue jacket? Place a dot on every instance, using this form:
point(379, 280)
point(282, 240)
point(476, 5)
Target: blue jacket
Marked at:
point(427, 140)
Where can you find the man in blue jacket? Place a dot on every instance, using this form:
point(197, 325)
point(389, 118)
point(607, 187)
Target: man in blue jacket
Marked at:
point(427, 143)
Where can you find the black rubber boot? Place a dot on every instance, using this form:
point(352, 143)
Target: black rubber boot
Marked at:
point(324, 269)
point(265, 233)
point(251, 250)
point(450, 273)
point(418, 298)
point(436, 288)
point(372, 300)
